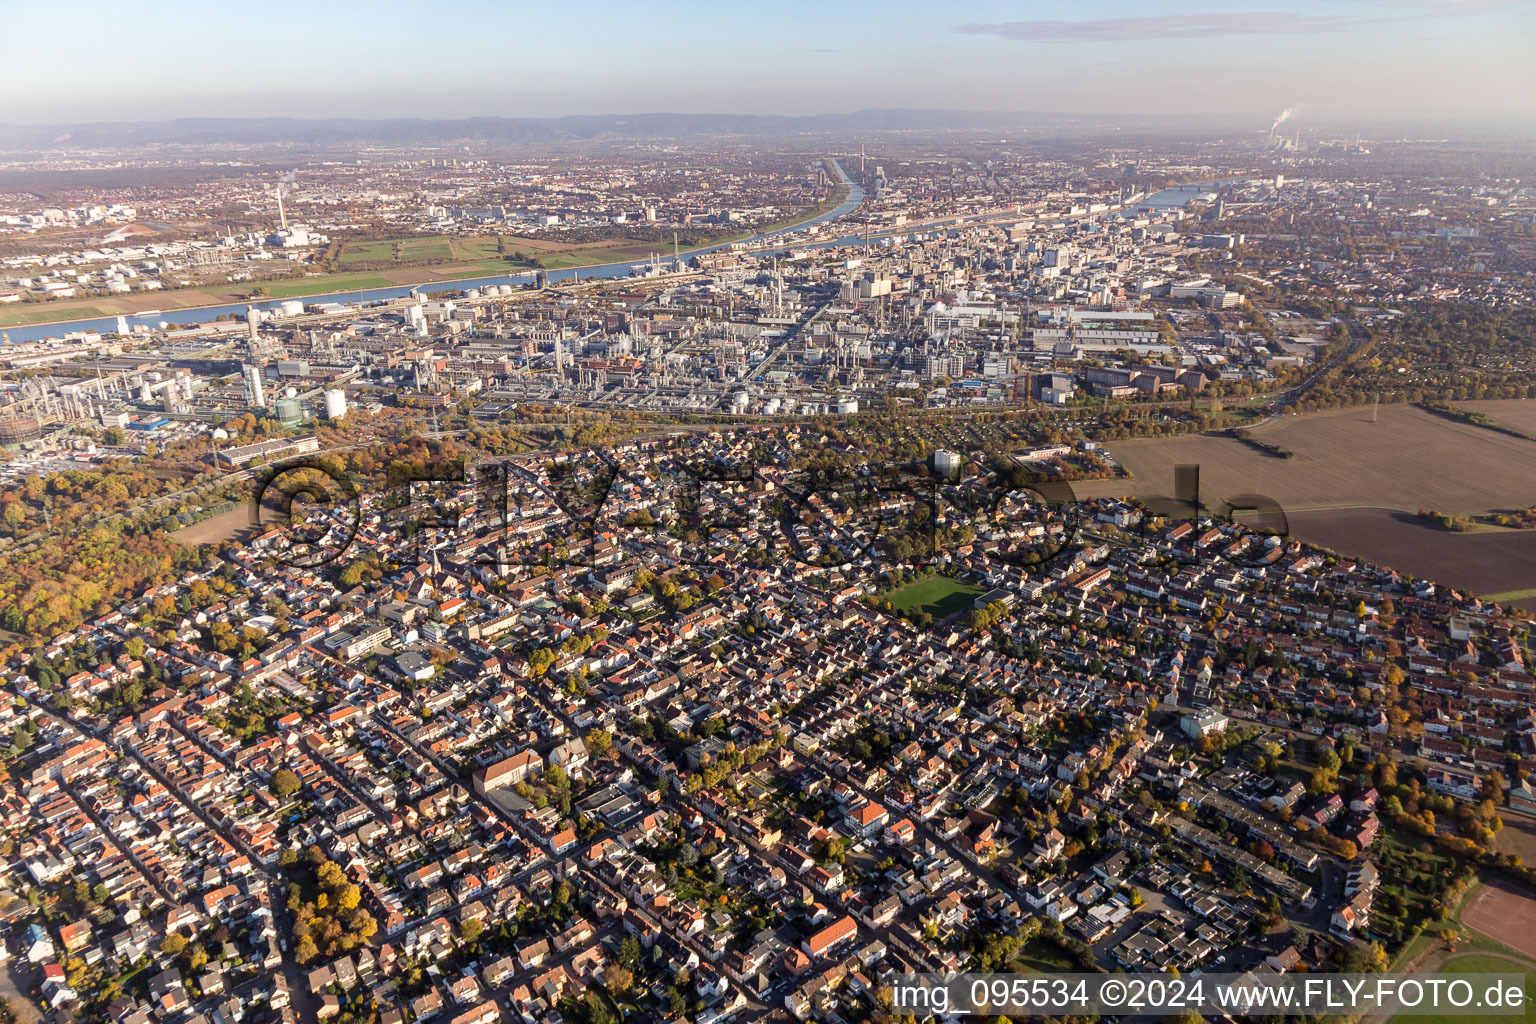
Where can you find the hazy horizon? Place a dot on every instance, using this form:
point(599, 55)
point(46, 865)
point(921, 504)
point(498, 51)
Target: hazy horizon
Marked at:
point(1360, 59)
point(1255, 120)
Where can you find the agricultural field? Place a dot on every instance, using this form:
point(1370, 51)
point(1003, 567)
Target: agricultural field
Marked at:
point(328, 283)
point(481, 255)
point(112, 305)
point(939, 596)
point(227, 525)
point(360, 252)
point(1498, 565)
point(41, 313)
point(1516, 414)
point(401, 249)
point(425, 247)
point(1405, 459)
point(1354, 484)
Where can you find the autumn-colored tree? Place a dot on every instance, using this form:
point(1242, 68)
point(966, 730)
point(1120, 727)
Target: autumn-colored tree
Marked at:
point(599, 742)
point(617, 979)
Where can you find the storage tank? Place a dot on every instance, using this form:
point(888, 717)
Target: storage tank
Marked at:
point(289, 412)
point(292, 307)
point(335, 403)
point(20, 429)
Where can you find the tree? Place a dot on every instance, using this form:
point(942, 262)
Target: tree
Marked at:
point(599, 742)
point(1366, 958)
point(306, 950)
point(470, 930)
point(617, 979)
point(330, 876)
point(173, 944)
point(285, 783)
point(540, 660)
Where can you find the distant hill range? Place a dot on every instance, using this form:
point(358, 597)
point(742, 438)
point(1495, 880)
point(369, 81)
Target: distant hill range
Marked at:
point(203, 131)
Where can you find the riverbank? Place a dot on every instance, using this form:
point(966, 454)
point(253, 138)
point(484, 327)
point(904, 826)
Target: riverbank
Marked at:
point(604, 260)
point(319, 286)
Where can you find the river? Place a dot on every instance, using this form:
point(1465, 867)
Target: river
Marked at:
point(1179, 195)
point(203, 314)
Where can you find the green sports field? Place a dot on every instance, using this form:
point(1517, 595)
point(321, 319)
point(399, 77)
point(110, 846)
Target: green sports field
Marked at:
point(1476, 963)
point(939, 596)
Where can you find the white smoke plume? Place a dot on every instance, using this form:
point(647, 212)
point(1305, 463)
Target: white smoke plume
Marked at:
point(1284, 116)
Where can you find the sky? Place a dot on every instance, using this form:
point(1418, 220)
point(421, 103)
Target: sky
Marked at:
point(1330, 61)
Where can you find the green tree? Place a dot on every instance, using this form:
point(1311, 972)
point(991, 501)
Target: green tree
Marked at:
point(285, 783)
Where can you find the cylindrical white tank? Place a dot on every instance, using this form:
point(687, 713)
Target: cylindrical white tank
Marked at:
point(335, 403)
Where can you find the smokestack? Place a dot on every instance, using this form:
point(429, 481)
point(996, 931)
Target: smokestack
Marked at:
point(281, 216)
point(1280, 119)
